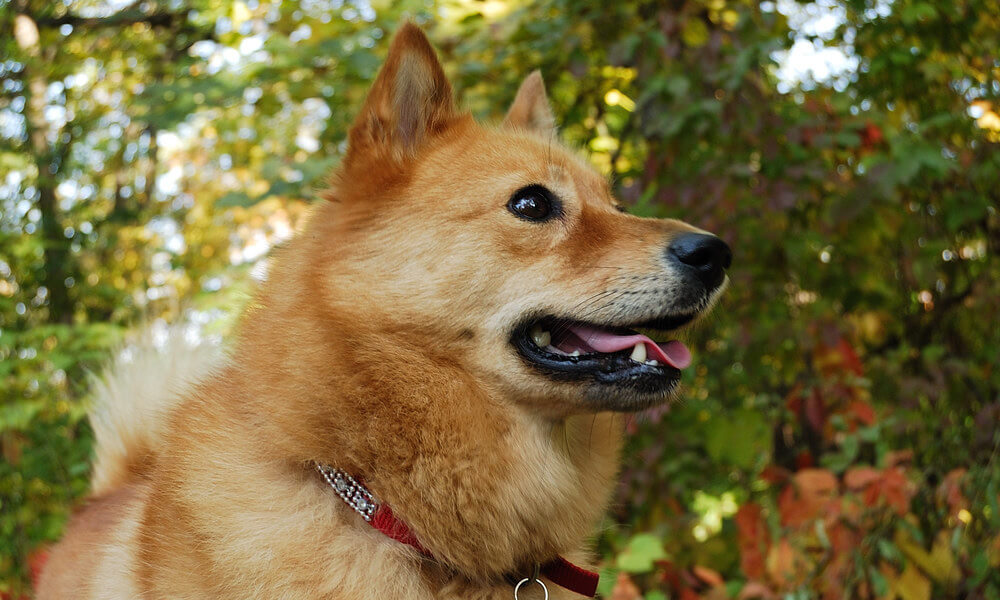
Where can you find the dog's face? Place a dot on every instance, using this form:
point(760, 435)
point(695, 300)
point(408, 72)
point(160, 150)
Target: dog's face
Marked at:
point(502, 252)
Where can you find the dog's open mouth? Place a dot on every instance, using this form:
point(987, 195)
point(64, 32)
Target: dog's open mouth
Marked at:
point(566, 349)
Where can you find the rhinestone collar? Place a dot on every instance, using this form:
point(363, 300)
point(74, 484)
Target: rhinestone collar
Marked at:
point(350, 491)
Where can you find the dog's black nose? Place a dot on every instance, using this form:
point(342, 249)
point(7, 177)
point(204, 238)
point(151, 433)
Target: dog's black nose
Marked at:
point(706, 255)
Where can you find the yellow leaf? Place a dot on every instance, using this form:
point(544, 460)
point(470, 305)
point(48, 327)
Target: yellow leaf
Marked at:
point(938, 564)
point(912, 585)
point(730, 18)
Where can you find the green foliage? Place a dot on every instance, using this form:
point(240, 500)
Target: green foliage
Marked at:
point(640, 554)
point(840, 422)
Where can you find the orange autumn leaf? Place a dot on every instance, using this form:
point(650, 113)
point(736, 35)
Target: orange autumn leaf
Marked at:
point(708, 576)
point(811, 493)
point(785, 565)
point(753, 538)
point(858, 478)
point(816, 482)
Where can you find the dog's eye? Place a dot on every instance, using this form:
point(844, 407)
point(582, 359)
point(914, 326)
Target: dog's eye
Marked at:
point(534, 203)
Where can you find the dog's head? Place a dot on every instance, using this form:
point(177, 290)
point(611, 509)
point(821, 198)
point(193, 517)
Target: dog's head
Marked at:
point(500, 252)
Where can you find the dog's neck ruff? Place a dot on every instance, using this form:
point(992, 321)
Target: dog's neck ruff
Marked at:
point(353, 492)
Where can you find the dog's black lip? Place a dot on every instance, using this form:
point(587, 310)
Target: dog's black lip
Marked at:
point(666, 323)
point(615, 368)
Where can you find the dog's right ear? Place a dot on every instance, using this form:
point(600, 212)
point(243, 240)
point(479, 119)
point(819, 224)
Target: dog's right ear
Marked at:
point(410, 100)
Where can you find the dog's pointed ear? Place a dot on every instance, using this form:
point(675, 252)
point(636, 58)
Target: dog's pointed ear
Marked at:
point(530, 109)
point(410, 99)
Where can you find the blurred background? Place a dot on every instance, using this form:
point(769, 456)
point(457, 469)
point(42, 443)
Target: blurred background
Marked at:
point(838, 436)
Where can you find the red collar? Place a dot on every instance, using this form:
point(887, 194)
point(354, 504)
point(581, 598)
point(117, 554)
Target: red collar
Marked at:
point(559, 570)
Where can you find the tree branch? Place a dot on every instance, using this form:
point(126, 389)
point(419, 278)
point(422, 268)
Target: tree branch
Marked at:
point(130, 15)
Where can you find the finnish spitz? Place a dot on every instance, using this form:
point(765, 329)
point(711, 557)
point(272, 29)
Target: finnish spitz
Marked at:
point(424, 399)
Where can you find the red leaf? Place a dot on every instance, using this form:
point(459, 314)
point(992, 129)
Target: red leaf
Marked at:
point(36, 562)
point(804, 460)
point(850, 358)
point(871, 135)
point(862, 412)
point(774, 474)
point(897, 490)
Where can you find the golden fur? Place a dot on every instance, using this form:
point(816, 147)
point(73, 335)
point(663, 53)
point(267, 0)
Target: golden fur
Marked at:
point(380, 344)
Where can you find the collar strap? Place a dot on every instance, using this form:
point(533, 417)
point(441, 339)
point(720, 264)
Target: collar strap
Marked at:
point(352, 491)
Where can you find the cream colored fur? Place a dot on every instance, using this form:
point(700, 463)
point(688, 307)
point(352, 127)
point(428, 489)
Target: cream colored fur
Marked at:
point(133, 396)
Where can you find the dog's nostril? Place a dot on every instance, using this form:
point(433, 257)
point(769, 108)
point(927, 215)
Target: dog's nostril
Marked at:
point(707, 255)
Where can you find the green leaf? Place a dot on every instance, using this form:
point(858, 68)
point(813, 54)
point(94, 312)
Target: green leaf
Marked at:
point(740, 438)
point(641, 554)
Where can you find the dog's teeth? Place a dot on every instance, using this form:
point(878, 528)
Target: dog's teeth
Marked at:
point(639, 352)
point(575, 353)
point(541, 338)
point(653, 362)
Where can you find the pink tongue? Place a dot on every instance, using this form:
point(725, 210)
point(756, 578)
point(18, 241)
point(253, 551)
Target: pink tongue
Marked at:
point(673, 353)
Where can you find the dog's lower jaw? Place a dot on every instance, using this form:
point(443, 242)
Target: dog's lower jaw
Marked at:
point(597, 398)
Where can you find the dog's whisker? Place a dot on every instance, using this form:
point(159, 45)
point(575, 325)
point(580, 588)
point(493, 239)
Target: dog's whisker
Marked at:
point(583, 305)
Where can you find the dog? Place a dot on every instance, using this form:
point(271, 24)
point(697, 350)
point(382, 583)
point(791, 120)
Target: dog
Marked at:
point(424, 400)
